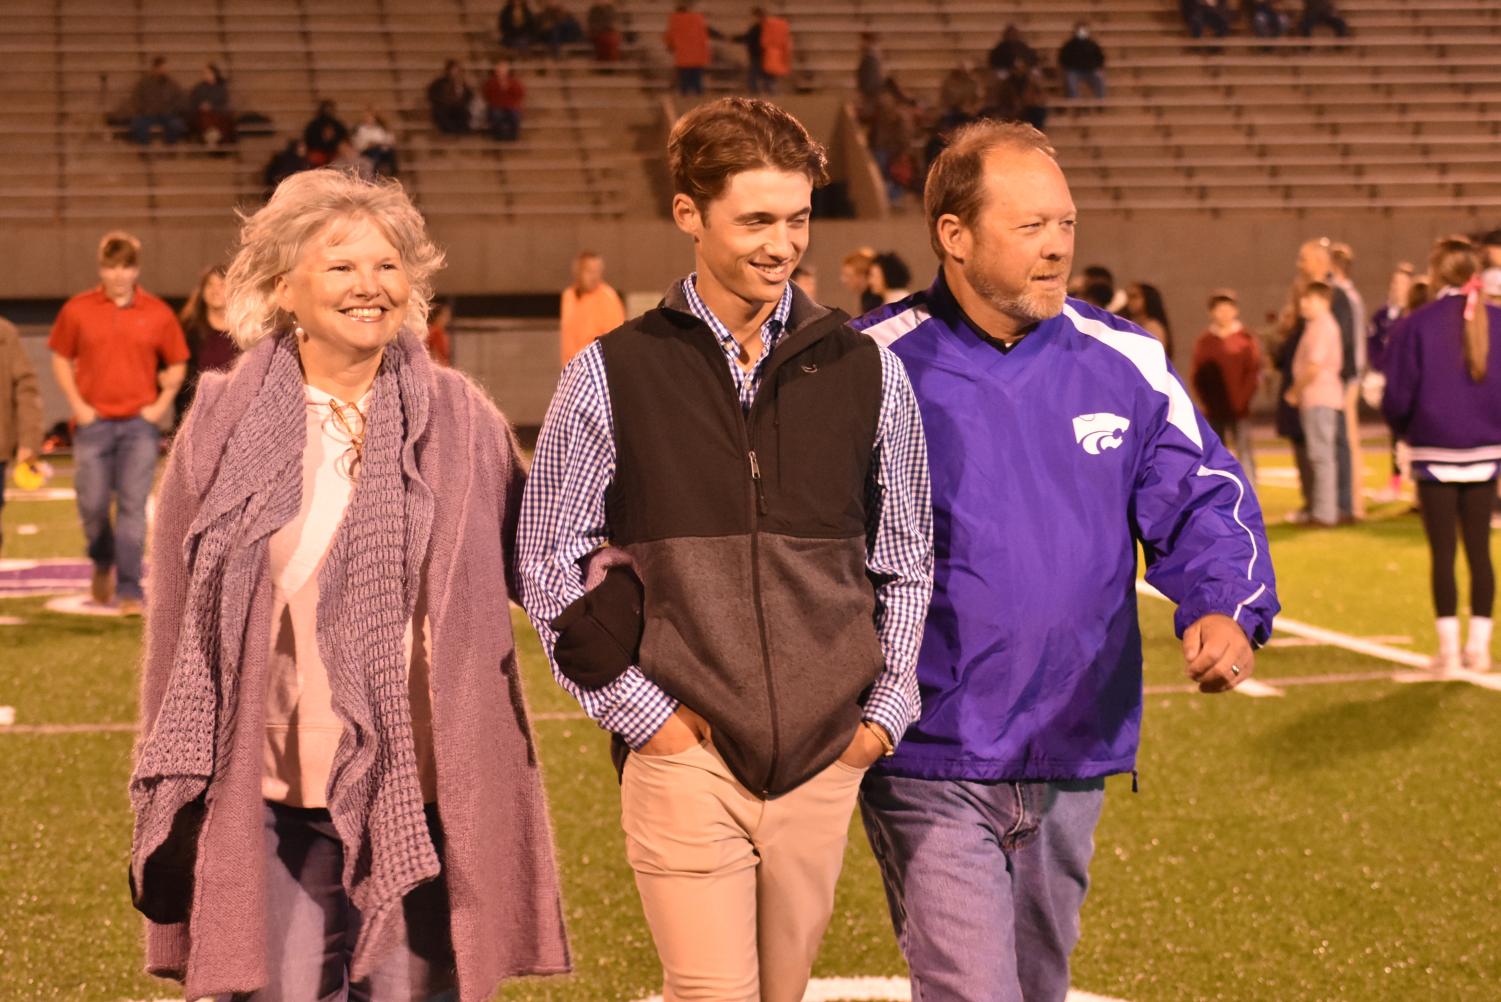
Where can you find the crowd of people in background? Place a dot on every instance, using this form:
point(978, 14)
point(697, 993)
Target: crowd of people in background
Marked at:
point(159, 106)
point(1264, 18)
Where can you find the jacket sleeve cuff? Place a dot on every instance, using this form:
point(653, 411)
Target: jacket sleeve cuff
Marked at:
point(885, 706)
point(639, 709)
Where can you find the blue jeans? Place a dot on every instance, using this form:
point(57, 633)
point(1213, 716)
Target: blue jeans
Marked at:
point(1073, 78)
point(1321, 430)
point(116, 462)
point(690, 80)
point(174, 127)
point(985, 881)
point(313, 926)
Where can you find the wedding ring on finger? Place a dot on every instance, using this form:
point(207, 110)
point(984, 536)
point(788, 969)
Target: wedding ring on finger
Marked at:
point(1235, 670)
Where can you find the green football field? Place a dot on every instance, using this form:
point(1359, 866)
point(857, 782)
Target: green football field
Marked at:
point(1338, 839)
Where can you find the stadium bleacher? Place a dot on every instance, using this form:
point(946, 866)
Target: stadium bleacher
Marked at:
point(1400, 115)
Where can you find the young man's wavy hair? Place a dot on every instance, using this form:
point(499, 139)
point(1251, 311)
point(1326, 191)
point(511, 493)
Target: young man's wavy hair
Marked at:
point(716, 141)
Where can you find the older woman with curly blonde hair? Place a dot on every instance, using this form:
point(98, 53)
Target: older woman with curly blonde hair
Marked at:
point(336, 791)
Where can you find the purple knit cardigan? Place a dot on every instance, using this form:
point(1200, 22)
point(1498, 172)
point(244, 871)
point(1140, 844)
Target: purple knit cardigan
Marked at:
point(506, 911)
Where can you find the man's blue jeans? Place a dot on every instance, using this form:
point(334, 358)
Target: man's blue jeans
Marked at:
point(116, 462)
point(985, 881)
point(1073, 78)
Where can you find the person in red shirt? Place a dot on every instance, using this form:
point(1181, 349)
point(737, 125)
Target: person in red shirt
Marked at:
point(1226, 371)
point(687, 39)
point(109, 346)
point(505, 95)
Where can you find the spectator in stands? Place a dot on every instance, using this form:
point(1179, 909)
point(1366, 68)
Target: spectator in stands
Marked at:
point(1443, 394)
point(505, 99)
point(1082, 61)
point(590, 308)
point(755, 72)
point(157, 102)
point(376, 143)
point(557, 27)
point(854, 275)
point(1490, 285)
point(604, 31)
point(1012, 47)
point(1319, 395)
point(518, 25)
point(1145, 309)
point(805, 277)
point(1267, 19)
point(348, 159)
point(1201, 14)
point(448, 98)
point(284, 163)
point(212, 118)
point(345, 509)
point(439, 344)
point(323, 134)
point(108, 345)
point(768, 51)
point(893, 127)
point(687, 38)
point(1018, 97)
point(20, 405)
point(1225, 374)
point(889, 277)
point(206, 329)
point(960, 94)
point(1322, 14)
point(870, 74)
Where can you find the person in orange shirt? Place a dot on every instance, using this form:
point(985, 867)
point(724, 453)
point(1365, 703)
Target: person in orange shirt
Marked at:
point(439, 346)
point(776, 50)
point(591, 308)
point(687, 38)
point(107, 346)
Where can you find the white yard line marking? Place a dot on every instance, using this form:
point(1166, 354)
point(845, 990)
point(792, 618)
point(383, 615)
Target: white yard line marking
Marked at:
point(1394, 638)
point(884, 990)
point(1369, 647)
point(1257, 689)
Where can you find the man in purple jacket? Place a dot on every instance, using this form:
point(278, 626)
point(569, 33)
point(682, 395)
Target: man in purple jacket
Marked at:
point(1059, 437)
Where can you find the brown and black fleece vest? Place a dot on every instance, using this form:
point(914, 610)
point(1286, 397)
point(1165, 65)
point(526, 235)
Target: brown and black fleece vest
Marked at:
point(748, 532)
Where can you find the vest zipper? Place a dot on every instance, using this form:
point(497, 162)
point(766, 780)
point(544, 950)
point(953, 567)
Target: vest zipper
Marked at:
point(759, 508)
point(755, 465)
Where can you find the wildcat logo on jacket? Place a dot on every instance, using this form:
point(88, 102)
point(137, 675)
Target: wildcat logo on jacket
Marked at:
point(1098, 432)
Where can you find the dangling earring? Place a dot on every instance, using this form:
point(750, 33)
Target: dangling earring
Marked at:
point(297, 330)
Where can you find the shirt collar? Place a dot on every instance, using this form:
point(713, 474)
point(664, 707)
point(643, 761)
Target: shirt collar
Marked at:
point(770, 330)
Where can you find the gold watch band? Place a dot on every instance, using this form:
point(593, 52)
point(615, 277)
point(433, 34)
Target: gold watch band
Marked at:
point(888, 747)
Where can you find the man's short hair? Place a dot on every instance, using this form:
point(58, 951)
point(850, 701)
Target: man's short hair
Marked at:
point(956, 181)
point(1219, 296)
point(587, 255)
point(716, 141)
point(1320, 289)
point(118, 249)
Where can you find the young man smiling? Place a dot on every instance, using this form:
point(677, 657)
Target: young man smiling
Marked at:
point(759, 472)
point(1060, 439)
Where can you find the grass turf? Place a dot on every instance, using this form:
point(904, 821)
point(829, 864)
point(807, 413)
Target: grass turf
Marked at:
point(1338, 843)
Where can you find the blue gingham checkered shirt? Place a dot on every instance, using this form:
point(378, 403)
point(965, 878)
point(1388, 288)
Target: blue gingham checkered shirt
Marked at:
point(563, 521)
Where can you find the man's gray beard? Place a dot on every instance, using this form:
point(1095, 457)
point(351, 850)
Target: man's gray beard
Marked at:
point(1029, 306)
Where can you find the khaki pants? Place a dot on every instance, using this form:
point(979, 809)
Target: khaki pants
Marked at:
point(737, 890)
